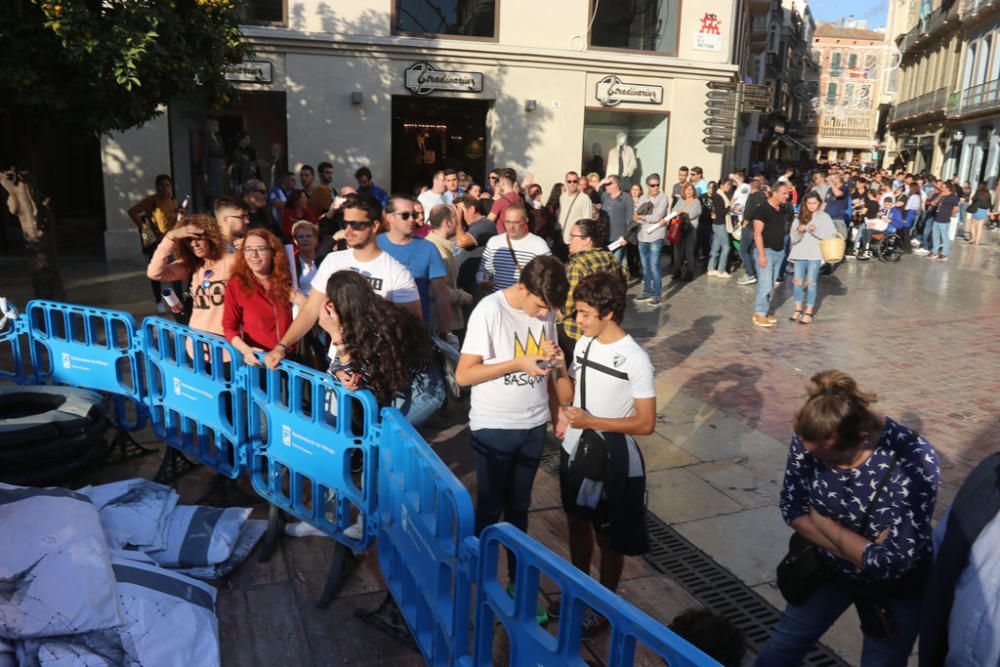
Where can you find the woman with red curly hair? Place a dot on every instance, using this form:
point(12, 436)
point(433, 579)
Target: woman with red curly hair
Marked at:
point(258, 301)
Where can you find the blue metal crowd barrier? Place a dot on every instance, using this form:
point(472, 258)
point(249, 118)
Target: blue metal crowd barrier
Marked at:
point(296, 430)
point(93, 348)
point(196, 394)
point(304, 428)
point(530, 644)
point(426, 522)
point(13, 343)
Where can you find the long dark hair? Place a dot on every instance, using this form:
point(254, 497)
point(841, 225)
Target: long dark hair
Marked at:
point(388, 344)
point(805, 215)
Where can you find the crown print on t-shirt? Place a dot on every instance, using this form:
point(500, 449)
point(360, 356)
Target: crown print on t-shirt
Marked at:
point(533, 346)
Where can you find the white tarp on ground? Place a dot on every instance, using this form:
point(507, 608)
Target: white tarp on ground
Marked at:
point(196, 536)
point(133, 511)
point(55, 570)
point(250, 535)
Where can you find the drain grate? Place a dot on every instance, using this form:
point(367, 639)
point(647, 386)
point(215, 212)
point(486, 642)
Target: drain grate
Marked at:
point(708, 582)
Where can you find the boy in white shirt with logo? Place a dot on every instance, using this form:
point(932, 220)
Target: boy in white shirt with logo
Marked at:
point(507, 356)
point(613, 394)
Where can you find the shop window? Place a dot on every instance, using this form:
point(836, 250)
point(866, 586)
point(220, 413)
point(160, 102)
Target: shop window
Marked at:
point(460, 18)
point(640, 25)
point(266, 12)
point(631, 145)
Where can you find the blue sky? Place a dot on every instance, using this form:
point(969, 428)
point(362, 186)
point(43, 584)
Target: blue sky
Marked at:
point(874, 11)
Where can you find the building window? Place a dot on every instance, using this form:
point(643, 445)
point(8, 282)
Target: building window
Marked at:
point(984, 59)
point(641, 25)
point(460, 18)
point(848, 94)
point(852, 61)
point(831, 94)
point(266, 12)
point(871, 66)
point(970, 60)
point(893, 81)
point(835, 63)
point(864, 97)
point(645, 139)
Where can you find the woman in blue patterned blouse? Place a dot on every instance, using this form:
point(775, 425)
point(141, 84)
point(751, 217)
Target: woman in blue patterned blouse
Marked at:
point(840, 456)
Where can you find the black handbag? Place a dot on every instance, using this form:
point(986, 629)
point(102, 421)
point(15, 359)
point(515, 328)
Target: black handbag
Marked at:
point(802, 571)
point(590, 461)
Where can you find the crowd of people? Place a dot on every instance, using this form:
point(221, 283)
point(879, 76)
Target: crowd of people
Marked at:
point(529, 293)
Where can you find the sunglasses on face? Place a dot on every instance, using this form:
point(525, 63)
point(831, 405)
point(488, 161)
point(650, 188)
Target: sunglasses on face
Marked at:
point(572, 180)
point(358, 225)
point(653, 185)
point(406, 215)
point(493, 178)
point(206, 283)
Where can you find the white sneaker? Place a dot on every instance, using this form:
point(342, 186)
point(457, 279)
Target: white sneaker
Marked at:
point(161, 307)
point(923, 252)
point(355, 531)
point(723, 274)
point(713, 273)
point(302, 529)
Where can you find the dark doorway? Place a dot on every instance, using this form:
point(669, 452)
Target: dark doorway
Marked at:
point(439, 133)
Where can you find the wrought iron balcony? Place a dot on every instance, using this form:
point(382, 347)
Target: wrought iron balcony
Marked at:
point(933, 25)
point(972, 8)
point(929, 103)
point(984, 97)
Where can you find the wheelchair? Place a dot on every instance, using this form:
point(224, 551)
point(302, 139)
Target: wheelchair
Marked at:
point(887, 245)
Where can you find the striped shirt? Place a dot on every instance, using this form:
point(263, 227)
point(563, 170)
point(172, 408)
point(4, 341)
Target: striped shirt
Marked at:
point(499, 262)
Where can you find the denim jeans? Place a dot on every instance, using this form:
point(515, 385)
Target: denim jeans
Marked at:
point(747, 251)
point(506, 462)
point(929, 225)
point(941, 243)
point(806, 274)
point(766, 275)
point(649, 255)
point(424, 397)
point(720, 245)
point(801, 626)
point(619, 254)
point(784, 258)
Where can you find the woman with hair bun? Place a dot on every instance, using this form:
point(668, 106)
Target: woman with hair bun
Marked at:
point(860, 488)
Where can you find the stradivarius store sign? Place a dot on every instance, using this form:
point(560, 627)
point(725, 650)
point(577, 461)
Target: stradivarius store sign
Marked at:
point(423, 79)
point(612, 91)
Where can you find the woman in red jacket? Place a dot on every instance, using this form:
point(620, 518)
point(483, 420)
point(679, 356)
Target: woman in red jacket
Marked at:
point(295, 210)
point(258, 309)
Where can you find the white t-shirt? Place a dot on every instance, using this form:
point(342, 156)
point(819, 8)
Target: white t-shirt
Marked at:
point(740, 199)
point(430, 199)
point(617, 375)
point(498, 333)
point(498, 262)
point(389, 278)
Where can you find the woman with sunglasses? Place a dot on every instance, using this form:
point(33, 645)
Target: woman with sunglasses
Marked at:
point(258, 309)
point(200, 255)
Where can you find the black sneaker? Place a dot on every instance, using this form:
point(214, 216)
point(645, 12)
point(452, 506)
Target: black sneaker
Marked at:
point(593, 624)
point(554, 609)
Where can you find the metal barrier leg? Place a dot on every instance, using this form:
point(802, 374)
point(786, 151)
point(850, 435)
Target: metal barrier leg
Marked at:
point(125, 448)
point(344, 563)
point(274, 527)
point(389, 619)
point(174, 466)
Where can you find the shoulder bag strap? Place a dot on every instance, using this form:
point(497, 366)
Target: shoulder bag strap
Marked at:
point(878, 493)
point(513, 255)
point(583, 376)
point(569, 209)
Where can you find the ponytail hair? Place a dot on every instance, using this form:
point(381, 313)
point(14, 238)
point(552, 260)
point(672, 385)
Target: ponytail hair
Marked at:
point(836, 408)
point(595, 230)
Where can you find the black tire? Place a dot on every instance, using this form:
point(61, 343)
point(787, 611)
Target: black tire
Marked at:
point(37, 414)
point(44, 454)
point(890, 249)
point(48, 476)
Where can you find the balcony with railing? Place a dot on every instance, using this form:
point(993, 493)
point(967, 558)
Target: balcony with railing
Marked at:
point(971, 9)
point(935, 24)
point(927, 104)
point(856, 125)
point(975, 100)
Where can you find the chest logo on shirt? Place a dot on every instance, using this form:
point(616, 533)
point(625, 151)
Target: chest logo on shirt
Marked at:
point(532, 347)
point(618, 360)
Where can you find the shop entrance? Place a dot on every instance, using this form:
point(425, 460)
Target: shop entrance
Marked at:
point(438, 133)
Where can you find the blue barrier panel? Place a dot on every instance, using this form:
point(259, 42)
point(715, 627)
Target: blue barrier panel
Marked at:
point(425, 522)
point(304, 429)
point(93, 348)
point(13, 341)
point(196, 394)
point(530, 644)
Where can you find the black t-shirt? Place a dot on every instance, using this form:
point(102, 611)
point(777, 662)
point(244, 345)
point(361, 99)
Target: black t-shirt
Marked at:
point(945, 206)
point(774, 226)
point(754, 201)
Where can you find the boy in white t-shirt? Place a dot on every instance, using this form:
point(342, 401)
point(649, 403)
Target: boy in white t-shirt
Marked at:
point(509, 342)
point(616, 376)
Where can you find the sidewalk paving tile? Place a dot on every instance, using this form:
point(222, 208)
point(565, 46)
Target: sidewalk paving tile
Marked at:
point(677, 495)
